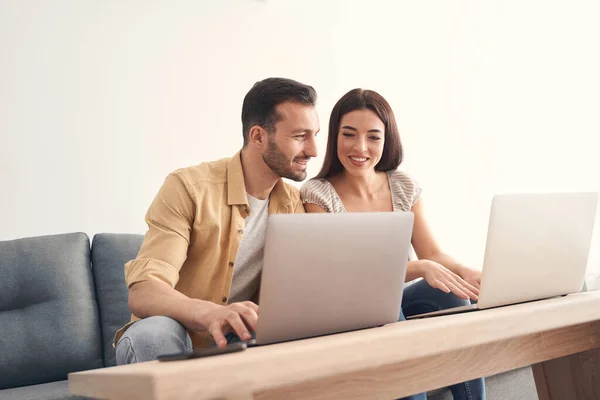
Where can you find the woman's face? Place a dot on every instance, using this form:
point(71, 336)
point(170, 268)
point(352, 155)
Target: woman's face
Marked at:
point(360, 141)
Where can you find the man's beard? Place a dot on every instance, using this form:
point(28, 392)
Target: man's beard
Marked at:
point(281, 165)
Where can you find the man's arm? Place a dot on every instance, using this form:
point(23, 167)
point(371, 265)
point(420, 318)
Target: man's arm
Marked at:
point(150, 298)
point(152, 276)
point(170, 218)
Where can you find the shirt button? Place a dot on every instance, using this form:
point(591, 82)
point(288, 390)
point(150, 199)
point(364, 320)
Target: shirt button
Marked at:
point(224, 299)
point(247, 211)
point(231, 263)
point(241, 231)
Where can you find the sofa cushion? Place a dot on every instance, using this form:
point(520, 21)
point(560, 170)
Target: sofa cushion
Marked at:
point(48, 311)
point(46, 391)
point(517, 384)
point(110, 252)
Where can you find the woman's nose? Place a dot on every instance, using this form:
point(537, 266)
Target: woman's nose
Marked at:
point(360, 145)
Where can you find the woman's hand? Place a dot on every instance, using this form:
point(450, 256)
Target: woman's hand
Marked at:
point(440, 277)
point(472, 276)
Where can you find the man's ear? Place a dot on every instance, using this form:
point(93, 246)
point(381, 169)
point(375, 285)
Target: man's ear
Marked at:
point(258, 136)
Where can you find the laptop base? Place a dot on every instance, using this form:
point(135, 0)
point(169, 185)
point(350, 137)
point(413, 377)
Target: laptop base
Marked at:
point(454, 310)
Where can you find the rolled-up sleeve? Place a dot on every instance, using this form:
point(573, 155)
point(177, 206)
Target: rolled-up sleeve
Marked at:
point(170, 219)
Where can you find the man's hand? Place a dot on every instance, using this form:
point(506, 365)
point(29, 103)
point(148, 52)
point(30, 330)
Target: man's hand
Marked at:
point(440, 277)
point(472, 276)
point(238, 317)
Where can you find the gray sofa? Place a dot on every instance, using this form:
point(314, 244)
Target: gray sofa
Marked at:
point(61, 301)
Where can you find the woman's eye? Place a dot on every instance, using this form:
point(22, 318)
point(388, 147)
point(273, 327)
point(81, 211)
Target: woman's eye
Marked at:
point(375, 138)
point(346, 134)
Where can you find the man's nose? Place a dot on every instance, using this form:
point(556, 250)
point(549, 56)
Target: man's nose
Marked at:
point(310, 147)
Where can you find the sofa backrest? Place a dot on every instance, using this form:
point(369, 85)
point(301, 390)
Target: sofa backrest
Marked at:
point(110, 252)
point(49, 322)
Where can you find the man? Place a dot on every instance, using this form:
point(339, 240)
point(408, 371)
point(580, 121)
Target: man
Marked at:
point(197, 274)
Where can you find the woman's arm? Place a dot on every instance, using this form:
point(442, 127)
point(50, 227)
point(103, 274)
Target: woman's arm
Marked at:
point(313, 208)
point(427, 248)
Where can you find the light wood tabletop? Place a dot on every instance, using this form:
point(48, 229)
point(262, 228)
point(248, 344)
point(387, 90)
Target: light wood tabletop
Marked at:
point(385, 362)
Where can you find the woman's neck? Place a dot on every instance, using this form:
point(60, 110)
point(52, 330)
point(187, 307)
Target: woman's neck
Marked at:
point(365, 186)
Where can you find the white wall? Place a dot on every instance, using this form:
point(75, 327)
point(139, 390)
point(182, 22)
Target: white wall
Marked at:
point(99, 100)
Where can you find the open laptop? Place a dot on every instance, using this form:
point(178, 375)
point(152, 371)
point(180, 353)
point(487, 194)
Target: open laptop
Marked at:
point(330, 273)
point(537, 247)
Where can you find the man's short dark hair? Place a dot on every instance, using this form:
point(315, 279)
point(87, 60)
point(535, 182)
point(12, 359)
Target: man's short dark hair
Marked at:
point(260, 103)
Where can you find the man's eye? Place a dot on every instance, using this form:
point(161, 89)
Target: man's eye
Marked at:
point(300, 137)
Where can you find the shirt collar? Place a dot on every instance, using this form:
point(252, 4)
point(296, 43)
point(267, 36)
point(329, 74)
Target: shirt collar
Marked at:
point(236, 187)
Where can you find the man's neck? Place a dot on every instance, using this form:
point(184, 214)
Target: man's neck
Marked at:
point(258, 177)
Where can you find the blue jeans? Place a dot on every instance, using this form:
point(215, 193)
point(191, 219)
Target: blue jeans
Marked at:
point(149, 338)
point(420, 298)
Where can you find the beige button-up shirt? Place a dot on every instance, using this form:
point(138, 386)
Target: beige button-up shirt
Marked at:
point(195, 225)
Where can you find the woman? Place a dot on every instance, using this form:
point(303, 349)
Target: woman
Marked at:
point(360, 174)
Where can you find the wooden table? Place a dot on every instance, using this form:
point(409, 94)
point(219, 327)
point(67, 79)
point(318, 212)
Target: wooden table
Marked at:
point(560, 337)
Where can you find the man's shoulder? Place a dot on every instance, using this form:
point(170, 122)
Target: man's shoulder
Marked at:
point(292, 190)
point(214, 172)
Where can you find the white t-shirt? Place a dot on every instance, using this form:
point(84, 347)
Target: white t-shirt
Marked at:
point(249, 260)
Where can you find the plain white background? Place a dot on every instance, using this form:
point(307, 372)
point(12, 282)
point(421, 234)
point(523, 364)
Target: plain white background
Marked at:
point(100, 100)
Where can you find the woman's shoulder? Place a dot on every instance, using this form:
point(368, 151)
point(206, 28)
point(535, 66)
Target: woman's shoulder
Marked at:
point(405, 188)
point(320, 192)
point(400, 177)
point(315, 185)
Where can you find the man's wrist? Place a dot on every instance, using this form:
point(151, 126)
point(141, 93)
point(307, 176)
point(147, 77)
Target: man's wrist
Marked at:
point(199, 313)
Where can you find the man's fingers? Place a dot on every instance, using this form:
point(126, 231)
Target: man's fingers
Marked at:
point(248, 312)
point(250, 318)
point(251, 305)
point(235, 321)
point(217, 334)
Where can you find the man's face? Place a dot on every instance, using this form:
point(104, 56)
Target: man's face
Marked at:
point(293, 142)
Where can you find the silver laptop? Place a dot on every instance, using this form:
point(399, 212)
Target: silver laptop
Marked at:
point(537, 247)
point(329, 273)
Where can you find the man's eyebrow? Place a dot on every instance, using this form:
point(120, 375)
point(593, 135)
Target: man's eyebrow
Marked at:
point(301, 130)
